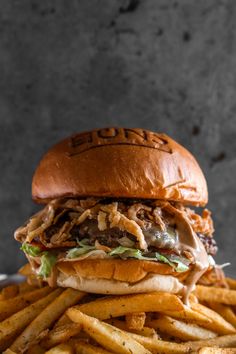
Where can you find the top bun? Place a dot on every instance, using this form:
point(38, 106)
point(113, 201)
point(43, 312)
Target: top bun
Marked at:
point(120, 163)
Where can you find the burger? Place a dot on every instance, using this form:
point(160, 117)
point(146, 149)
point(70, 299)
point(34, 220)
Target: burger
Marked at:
point(118, 215)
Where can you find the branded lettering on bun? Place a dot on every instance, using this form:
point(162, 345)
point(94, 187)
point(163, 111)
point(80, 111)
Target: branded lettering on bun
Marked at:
point(119, 215)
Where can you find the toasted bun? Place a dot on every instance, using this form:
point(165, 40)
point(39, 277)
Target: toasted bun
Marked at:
point(114, 269)
point(110, 276)
point(120, 162)
point(153, 282)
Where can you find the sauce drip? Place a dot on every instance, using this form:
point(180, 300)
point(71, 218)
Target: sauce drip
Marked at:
point(190, 242)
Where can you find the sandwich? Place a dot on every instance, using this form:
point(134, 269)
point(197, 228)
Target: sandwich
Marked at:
point(118, 215)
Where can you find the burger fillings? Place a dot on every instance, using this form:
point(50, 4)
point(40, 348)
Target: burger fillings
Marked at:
point(120, 228)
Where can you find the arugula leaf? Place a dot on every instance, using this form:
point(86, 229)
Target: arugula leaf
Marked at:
point(48, 260)
point(32, 251)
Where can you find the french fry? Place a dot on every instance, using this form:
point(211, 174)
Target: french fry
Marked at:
point(109, 337)
point(47, 317)
point(85, 348)
point(117, 306)
point(228, 341)
point(157, 346)
point(11, 306)
point(63, 320)
point(36, 349)
point(193, 298)
point(25, 288)
point(218, 323)
point(9, 351)
point(35, 281)
point(179, 329)
point(222, 295)
point(214, 350)
point(9, 292)
point(135, 320)
point(60, 334)
point(145, 331)
point(225, 311)
point(189, 315)
point(26, 269)
point(13, 325)
point(231, 283)
point(64, 348)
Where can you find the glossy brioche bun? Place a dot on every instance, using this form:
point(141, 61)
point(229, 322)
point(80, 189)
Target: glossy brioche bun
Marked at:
point(120, 162)
point(110, 276)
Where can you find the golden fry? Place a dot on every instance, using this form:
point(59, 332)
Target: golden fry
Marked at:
point(135, 320)
point(9, 292)
point(25, 288)
point(60, 335)
point(214, 350)
point(85, 348)
point(145, 331)
point(47, 317)
point(26, 269)
point(111, 338)
point(11, 306)
point(13, 325)
point(218, 323)
point(225, 311)
point(228, 341)
point(179, 329)
point(63, 320)
point(231, 283)
point(36, 349)
point(189, 315)
point(222, 295)
point(116, 306)
point(157, 346)
point(64, 348)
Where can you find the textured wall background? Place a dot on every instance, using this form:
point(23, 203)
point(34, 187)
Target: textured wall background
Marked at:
point(73, 65)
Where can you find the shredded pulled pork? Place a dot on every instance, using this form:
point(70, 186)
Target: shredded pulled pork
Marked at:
point(148, 226)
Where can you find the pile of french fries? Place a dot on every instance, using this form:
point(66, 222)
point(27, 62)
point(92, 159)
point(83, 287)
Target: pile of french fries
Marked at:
point(38, 319)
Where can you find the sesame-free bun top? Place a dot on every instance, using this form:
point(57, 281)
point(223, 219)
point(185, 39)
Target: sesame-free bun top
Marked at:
point(120, 163)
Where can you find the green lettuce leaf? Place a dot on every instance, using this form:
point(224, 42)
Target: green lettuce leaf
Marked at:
point(79, 251)
point(127, 252)
point(32, 251)
point(48, 260)
point(174, 261)
point(181, 263)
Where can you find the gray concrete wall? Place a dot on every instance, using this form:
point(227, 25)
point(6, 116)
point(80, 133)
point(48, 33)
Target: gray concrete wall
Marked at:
point(164, 65)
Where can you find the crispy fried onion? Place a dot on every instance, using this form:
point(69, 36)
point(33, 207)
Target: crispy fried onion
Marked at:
point(117, 219)
point(48, 219)
point(132, 219)
point(102, 223)
point(200, 223)
point(134, 210)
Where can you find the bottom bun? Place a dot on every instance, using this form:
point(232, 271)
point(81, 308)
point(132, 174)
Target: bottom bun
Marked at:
point(153, 282)
point(130, 270)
